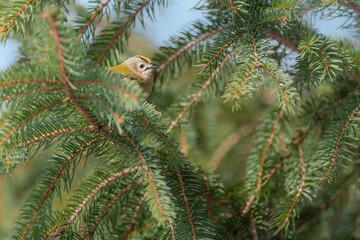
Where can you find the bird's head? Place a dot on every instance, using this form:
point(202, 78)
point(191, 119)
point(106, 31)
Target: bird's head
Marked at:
point(138, 68)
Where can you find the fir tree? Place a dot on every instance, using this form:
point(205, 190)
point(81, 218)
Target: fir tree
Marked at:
point(301, 176)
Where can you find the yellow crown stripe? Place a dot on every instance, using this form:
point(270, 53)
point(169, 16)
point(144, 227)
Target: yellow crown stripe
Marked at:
point(143, 58)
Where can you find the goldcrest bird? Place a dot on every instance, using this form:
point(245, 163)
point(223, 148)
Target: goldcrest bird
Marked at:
point(140, 69)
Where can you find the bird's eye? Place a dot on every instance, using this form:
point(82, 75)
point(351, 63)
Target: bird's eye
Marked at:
point(141, 66)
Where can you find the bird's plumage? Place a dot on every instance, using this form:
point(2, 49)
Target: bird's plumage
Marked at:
point(139, 69)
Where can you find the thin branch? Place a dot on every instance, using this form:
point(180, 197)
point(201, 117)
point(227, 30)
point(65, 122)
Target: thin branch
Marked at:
point(263, 157)
point(133, 220)
point(60, 229)
point(64, 77)
point(221, 51)
point(108, 85)
point(351, 5)
point(323, 57)
point(255, 50)
point(201, 91)
point(234, 8)
point(305, 11)
point(182, 185)
point(31, 92)
point(56, 133)
point(301, 188)
point(226, 145)
point(51, 187)
point(207, 183)
point(274, 170)
point(277, 81)
point(336, 151)
point(186, 48)
point(10, 134)
point(92, 18)
point(151, 178)
point(35, 81)
point(243, 82)
point(116, 36)
point(253, 227)
point(274, 34)
point(172, 230)
point(7, 26)
point(96, 190)
point(103, 215)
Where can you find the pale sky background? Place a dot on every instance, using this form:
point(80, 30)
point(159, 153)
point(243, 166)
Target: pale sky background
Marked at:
point(170, 21)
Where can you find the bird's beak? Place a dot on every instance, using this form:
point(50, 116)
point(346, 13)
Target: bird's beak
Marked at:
point(153, 67)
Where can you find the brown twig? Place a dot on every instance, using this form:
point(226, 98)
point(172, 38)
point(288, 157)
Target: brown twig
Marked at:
point(201, 91)
point(172, 230)
point(29, 119)
point(234, 8)
point(182, 185)
point(151, 178)
point(253, 227)
point(51, 187)
point(133, 220)
point(243, 82)
point(351, 5)
point(64, 77)
point(303, 178)
point(207, 183)
point(221, 51)
point(7, 26)
point(323, 57)
point(35, 81)
point(31, 92)
point(96, 13)
point(277, 36)
point(263, 157)
point(116, 36)
point(102, 185)
point(108, 85)
point(277, 81)
point(336, 151)
point(56, 133)
point(186, 48)
point(103, 215)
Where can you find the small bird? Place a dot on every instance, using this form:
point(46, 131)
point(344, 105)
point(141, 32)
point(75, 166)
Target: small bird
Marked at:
point(139, 69)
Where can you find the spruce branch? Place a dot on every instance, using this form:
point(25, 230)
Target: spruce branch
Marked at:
point(210, 199)
point(113, 202)
point(119, 32)
point(201, 91)
point(289, 43)
point(32, 92)
point(182, 185)
point(56, 134)
point(341, 136)
point(26, 81)
point(172, 230)
point(303, 179)
point(186, 48)
point(52, 186)
point(134, 219)
point(263, 157)
point(8, 25)
point(31, 117)
point(226, 46)
point(150, 176)
point(253, 227)
point(92, 18)
point(248, 75)
point(351, 5)
point(236, 11)
point(277, 81)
